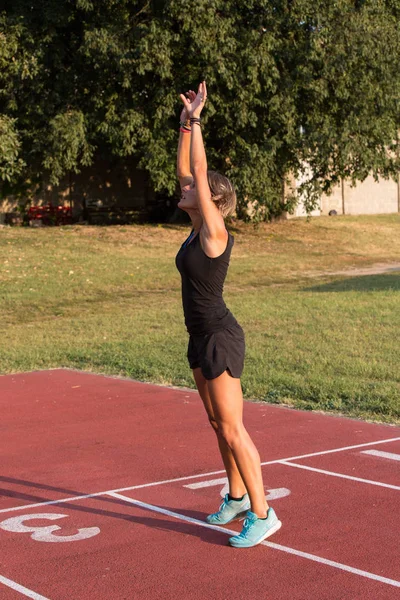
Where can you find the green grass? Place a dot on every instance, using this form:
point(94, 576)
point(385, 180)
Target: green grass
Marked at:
point(107, 300)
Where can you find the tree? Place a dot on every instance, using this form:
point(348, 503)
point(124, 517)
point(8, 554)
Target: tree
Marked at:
point(291, 83)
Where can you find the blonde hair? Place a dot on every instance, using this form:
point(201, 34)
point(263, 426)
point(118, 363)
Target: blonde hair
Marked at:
point(222, 193)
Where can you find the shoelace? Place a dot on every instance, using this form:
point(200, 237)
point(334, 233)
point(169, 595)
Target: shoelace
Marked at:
point(223, 503)
point(246, 526)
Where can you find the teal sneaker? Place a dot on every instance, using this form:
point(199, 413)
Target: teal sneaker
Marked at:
point(229, 510)
point(256, 530)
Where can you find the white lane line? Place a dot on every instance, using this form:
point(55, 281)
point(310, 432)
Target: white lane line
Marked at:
point(48, 502)
point(209, 483)
point(334, 474)
point(389, 455)
point(186, 477)
point(396, 439)
point(333, 563)
point(288, 550)
point(21, 589)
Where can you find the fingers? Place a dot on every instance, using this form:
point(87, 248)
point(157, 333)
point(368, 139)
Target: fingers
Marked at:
point(184, 100)
point(202, 93)
point(190, 96)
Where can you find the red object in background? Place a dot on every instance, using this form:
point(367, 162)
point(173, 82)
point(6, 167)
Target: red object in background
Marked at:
point(58, 215)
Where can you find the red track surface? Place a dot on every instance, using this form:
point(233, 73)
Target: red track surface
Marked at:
point(65, 434)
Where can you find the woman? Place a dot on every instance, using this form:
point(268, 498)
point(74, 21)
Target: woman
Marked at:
point(216, 343)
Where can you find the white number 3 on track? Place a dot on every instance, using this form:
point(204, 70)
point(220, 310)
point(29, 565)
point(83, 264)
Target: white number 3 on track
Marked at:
point(45, 533)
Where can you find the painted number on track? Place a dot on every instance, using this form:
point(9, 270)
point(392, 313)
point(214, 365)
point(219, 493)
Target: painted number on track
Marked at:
point(45, 533)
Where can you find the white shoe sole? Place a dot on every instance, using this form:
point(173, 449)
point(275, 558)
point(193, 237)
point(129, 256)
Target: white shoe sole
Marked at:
point(271, 531)
point(240, 515)
point(237, 517)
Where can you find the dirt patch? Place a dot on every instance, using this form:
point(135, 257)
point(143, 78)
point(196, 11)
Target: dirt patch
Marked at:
point(377, 269)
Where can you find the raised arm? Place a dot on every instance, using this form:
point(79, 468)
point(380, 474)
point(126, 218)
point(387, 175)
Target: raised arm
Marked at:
point(183, 170)
point(212, 219)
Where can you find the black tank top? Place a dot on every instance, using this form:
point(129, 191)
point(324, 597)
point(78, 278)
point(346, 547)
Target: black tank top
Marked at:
point(202, 287)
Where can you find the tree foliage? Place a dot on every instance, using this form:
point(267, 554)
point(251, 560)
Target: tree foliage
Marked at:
point(291, 83)
point(11, 165)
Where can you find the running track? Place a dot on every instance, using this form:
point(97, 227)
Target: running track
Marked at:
point(105, 483)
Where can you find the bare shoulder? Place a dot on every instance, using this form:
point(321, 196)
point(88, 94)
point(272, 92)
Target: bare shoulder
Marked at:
point(215, 245)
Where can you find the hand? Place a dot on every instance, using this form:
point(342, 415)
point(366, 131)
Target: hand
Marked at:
point(190, 96)
point(196, 105)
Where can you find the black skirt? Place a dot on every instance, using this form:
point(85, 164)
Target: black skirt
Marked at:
point(216, 352)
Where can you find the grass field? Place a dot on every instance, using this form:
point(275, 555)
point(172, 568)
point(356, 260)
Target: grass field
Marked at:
point(107, 300)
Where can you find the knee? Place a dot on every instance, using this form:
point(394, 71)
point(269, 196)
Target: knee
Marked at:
point(214, 424)
point(232, 434)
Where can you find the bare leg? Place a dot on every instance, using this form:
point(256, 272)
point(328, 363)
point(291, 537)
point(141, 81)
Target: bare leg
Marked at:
point(236, 486)
point(227, 404)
